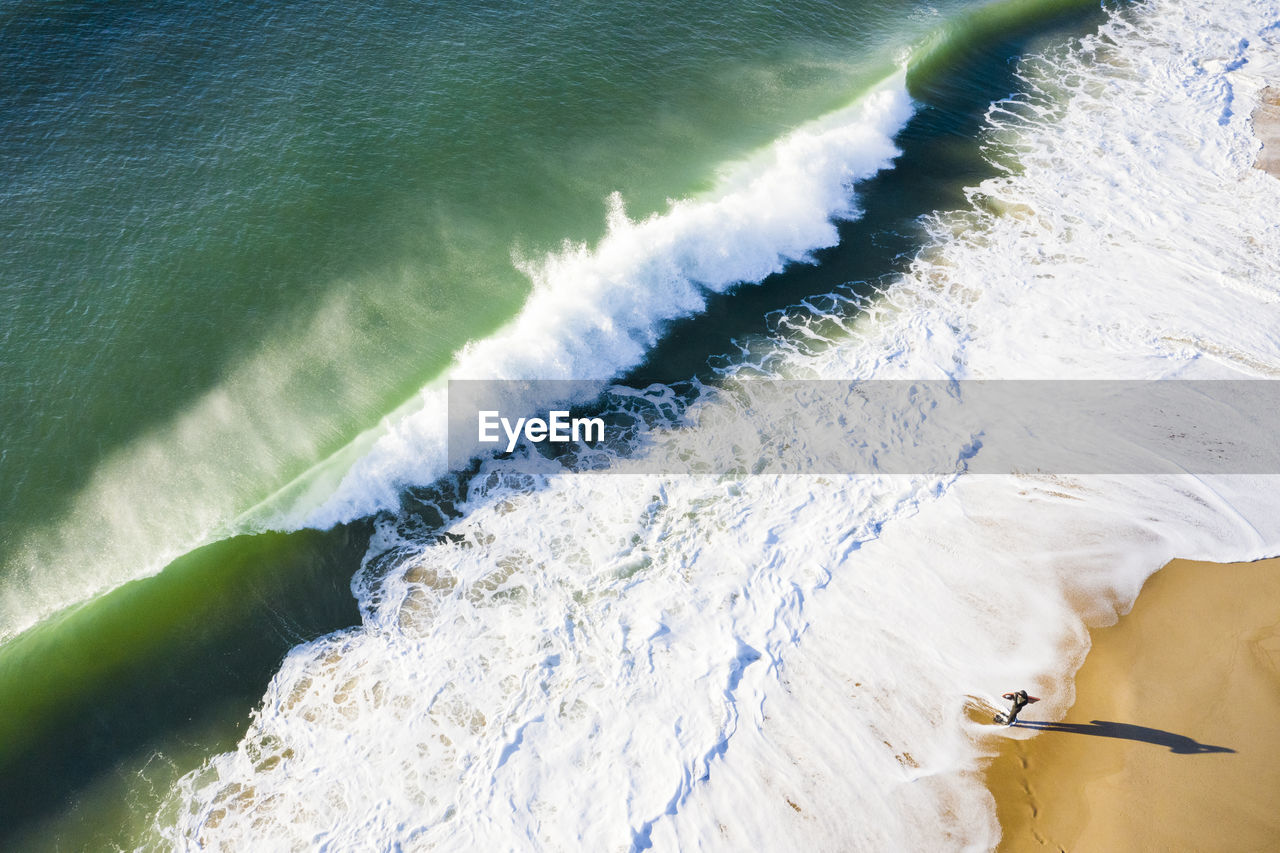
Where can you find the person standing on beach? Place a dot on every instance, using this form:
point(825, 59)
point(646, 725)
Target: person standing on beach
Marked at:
point(1020, 700)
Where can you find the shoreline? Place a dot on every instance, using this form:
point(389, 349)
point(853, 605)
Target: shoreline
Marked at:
point(1266, 126)
point(1172, 740)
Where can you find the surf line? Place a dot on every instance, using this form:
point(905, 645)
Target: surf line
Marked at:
point(557, 427)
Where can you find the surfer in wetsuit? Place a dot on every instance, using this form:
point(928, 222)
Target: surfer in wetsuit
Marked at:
point(1020, 700)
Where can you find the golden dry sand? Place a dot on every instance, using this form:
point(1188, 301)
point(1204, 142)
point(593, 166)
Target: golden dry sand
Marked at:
point(1174, 740)
point(1266, 124)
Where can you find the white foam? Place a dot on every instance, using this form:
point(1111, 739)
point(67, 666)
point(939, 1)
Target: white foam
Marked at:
point(798, 662)
point(593, 312)
point(596, 311)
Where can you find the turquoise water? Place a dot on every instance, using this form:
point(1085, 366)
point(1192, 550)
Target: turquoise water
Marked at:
point(232, 240)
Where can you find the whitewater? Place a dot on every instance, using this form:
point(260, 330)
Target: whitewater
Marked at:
point(795, 662)
point(596, 311)
point(593, 313)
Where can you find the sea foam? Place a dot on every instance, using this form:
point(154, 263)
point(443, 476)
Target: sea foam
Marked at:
point(595, 311)
point(635, 661)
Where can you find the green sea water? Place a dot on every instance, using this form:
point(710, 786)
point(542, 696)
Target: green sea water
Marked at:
point(234, 239)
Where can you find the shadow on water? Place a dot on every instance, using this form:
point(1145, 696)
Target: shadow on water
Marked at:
point(940, 157)
point(164, 668)
point(1179, 744)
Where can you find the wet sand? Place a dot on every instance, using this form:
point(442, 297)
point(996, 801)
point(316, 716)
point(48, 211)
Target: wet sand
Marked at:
point(1266, 124)
point(1174, 740)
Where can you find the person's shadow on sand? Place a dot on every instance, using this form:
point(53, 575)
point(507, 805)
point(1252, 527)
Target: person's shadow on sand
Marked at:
point(1181, 744)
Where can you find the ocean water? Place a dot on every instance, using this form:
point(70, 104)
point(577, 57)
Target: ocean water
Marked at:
point(244, 250)
point(235, 242)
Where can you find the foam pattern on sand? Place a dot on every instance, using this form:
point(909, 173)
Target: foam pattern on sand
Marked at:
point(632, 661)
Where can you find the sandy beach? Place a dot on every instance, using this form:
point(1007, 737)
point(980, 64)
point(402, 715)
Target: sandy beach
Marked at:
point(1266, 124)
point(1173, 739)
